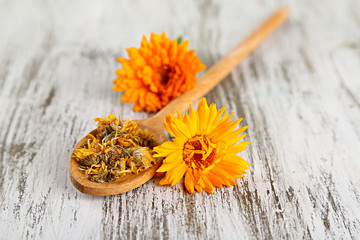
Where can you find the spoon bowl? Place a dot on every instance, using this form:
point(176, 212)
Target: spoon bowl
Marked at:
point(209, 80)
point(124, 183)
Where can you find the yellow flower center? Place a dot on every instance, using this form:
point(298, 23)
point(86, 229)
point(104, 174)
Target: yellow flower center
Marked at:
point(199, 152)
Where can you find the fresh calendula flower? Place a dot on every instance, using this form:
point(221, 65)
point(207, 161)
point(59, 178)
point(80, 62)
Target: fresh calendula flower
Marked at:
point(205, 147)
point(157, 72)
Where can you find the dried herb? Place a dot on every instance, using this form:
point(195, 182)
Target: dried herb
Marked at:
point(119, 148)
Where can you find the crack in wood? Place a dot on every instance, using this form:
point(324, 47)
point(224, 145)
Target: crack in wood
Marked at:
point(49, 99)
point(306, 59)
point(303, 143)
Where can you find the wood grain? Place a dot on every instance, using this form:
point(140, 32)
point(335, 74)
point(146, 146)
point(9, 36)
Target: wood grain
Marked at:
point(299, 94)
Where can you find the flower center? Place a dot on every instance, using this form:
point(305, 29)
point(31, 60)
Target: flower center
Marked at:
point(199, 152)
point(165, 73)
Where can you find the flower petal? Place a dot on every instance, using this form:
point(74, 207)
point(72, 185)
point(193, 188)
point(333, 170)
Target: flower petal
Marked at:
point(189, 181)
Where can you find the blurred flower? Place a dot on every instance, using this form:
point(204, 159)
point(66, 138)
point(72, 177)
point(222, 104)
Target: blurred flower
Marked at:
point(157, 72)
point(205, 148)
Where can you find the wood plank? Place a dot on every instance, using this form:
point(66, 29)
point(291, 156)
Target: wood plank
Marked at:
point(299, 94)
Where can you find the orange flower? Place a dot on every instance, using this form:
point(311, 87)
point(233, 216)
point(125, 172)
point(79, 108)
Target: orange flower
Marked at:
point(157, 72)
point(205, 148)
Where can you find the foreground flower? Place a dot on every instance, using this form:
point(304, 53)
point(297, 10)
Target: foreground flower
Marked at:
point(157, 72)
point(205, 148)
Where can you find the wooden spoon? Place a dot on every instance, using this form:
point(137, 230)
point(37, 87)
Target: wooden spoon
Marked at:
point(155, 124)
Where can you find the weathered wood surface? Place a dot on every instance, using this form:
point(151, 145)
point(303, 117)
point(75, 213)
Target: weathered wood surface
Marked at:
point(299, 93)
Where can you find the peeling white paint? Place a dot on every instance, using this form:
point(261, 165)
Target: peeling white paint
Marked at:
point(298, 92)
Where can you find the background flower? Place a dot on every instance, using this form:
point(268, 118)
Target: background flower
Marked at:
point(157, 72)
point(205, 148)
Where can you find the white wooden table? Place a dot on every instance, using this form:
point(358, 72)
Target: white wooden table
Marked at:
point(299, 92)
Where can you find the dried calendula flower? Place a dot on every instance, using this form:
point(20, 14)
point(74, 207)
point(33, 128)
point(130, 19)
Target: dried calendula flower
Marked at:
point(117, 149)
point(157, 72)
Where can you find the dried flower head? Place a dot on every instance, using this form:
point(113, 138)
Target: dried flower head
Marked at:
point(157, 72)
point(118, 148)
point(205, 148)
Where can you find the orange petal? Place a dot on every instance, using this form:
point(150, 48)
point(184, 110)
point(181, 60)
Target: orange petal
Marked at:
point(189, 181)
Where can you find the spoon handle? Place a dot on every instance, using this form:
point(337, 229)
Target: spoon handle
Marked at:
point(223, 67)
